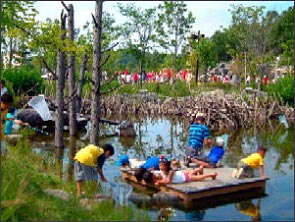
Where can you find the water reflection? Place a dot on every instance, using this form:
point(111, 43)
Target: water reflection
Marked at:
point(195, 215)
point(250, 209)
point(168, 137)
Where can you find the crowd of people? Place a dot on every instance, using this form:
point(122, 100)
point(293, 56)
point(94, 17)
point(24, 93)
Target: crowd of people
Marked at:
point(186, 75)
point(166, 75)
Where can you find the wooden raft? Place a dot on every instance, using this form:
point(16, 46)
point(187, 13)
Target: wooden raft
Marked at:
point(187, 192)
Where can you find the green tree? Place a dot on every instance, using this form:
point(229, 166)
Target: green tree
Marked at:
point(175, 23)
point(139, 31)
point(247, 29)
point(220, 39)
point(16, 15)
point(282, 36)
point(202, 51)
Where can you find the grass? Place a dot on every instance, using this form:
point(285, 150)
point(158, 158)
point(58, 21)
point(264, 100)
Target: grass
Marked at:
point(178, 89)
point(25, 176)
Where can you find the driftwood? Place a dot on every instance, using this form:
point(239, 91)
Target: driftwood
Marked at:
point(222, 111)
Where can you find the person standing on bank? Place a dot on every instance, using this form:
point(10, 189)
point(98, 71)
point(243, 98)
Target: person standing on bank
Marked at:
point(6, 102)
point(88, 162)
point(3, 87)
point(199, 135)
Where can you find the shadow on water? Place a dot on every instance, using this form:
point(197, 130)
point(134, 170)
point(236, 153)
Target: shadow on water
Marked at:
point(168, 137)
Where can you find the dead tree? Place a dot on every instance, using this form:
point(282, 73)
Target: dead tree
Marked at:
point(81, 81)
point(71, 74)
point(96, 67)
point(60, 85)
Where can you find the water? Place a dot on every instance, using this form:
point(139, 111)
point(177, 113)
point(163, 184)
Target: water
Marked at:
point(169, 137)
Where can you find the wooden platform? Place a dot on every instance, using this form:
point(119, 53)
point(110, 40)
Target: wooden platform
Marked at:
point(187, 192)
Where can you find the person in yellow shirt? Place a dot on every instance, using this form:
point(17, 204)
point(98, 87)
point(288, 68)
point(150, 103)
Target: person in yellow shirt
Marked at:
point(248, 208)
point(246, 166)
point(88, 162)
point(6, 102)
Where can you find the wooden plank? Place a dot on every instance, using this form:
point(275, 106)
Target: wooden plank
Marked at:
point(187, 192)
point(214, 191)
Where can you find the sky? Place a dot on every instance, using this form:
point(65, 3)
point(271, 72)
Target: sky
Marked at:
point(210, 15)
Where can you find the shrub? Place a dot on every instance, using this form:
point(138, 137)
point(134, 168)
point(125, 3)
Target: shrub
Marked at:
point(23, 80)
point(283, 89)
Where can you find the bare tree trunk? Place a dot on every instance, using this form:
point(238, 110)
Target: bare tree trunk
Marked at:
point(71, 61)
point(59, 90)
point(95, 91)
point(10, 52)
point(81, 82)
point(72, 151)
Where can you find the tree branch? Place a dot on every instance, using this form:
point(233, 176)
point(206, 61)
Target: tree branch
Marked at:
point(64, 5)
point(110, 48)
point(72, 96)
point(104, 62)
point(61, 15)
point(21, 28)
point(110, 80)
point(90, 80)
point(50, 70)
point(94, 20)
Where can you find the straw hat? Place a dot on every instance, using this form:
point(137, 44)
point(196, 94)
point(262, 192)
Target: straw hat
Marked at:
point(200, 115)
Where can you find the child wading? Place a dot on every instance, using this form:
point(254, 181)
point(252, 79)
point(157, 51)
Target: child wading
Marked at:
point(246, 166)
point(88, 162)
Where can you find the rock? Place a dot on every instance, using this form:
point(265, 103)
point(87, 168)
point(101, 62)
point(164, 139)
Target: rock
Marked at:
point(33, 118)
point(89, 202)
point(127, 129)
point(58, 193)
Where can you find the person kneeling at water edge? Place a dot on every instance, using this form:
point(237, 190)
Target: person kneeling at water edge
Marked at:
point(123, 161)
point(88, 162)
point(145, 170)
point(246, 166)
point(213, 158)
point(168, 175)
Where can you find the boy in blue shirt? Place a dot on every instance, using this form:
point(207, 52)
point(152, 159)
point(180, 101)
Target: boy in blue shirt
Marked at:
point(215, 155)
point(11, 119)
point(144, 171)
point(10, 116)
point(199, 135)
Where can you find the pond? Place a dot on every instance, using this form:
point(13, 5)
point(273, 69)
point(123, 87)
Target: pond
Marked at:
point(168, 137)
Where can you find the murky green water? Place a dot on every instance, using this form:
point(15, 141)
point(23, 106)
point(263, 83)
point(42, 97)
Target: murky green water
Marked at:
point(168, 137)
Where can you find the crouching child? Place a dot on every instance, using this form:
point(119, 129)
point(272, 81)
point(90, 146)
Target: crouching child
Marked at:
point(246, 166)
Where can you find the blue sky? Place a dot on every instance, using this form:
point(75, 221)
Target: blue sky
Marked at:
point(210, 15)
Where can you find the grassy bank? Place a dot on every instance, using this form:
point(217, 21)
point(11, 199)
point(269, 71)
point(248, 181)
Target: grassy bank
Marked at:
point(25, 176)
